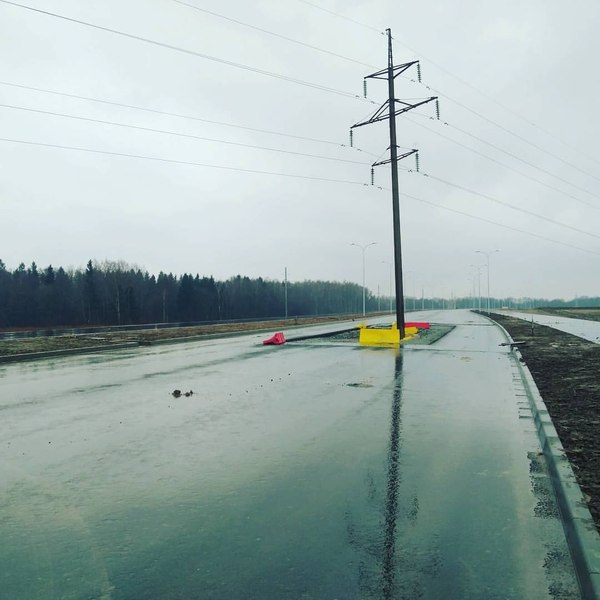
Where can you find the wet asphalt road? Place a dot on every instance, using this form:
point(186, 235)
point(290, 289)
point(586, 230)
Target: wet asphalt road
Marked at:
point(588, 330)
point(308, 471)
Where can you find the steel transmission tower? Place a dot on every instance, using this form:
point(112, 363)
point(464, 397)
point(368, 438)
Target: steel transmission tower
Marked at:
point(388, 111)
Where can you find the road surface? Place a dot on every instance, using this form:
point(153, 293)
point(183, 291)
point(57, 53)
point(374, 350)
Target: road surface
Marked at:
point(307, 471)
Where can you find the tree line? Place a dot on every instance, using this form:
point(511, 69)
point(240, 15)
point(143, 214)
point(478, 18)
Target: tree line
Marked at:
point(116, 293)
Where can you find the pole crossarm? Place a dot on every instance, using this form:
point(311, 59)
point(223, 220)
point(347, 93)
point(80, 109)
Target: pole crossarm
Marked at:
point(397, 70)
point(399, 157)
point(383, 112)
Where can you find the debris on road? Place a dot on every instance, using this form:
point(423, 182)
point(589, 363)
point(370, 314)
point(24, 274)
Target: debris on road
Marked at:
point(276, 339)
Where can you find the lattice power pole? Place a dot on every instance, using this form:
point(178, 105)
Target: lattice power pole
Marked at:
point(388, 111)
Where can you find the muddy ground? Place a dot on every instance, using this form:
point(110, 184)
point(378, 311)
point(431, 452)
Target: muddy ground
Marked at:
point(566, 370)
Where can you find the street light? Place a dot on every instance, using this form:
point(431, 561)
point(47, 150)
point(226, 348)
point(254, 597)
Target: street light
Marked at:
point(478, 267)
point(414, 284)
point(363, 248)
point(487, 255)
point(385, 262)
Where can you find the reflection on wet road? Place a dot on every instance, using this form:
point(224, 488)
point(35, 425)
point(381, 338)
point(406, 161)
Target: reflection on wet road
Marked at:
point(308, 471)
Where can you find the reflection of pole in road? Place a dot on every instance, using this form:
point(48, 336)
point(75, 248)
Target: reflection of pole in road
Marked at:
point(393, 481)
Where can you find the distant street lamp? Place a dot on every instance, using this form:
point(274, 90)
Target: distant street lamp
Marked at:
point(478, 267)
point(285, 293)
point(414, 282)
point(487, 256)
point(385, 262)
point(363, 248)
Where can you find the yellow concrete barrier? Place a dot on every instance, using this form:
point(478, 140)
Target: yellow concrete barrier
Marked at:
point(385, 337)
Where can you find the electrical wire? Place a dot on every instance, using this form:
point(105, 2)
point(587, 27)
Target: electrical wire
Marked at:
point(512, 155)
point(343, 17)
point(489, 221)
point(180, 115)
point(462, 81)
point(276, 75)
point(504, 165)
point(175, 133)
point(523, 231)
point(222, 61)
point(507, 204)
point(483, 117)
point(267, 73)
point(278, 35)
point(178, 162)
point(294, 175)
point(510, 132)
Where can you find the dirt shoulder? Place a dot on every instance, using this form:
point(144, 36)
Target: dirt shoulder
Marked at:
point(565, 369)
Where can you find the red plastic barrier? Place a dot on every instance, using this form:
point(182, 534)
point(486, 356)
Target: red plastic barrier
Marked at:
point(419, 325)
point(277, 339)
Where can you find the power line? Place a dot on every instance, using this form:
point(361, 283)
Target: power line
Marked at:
point(490, 221)
point(525, 232)
point(343, 17)
point(175, 133)
point(457, 78)
point(511, 111)
point(292, 175)
point(504, 165)
point(256, 70)
point(278, 35)
point(179, 115)
point(509, 131)
point(179, 162)
point(480, 115)
point(515, 156)
point(508, 205)
point(222, 61)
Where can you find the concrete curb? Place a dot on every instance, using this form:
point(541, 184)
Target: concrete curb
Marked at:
point(581, 534)
point(311, 336)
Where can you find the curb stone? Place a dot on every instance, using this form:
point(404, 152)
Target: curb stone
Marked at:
point(581, 534)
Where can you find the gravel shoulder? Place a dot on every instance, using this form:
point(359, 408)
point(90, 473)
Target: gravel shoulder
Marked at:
point(565, 369)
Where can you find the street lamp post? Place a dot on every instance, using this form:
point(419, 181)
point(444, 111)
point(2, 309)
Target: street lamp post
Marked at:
point(385, 262)
point(414, 287)
point(285, 291)
point(363, 248)
point(478, 267)
point(487, 256)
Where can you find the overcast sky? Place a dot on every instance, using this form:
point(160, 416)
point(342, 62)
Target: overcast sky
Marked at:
point(518, 86)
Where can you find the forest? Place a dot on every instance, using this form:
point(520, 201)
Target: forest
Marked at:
point(116, 293)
